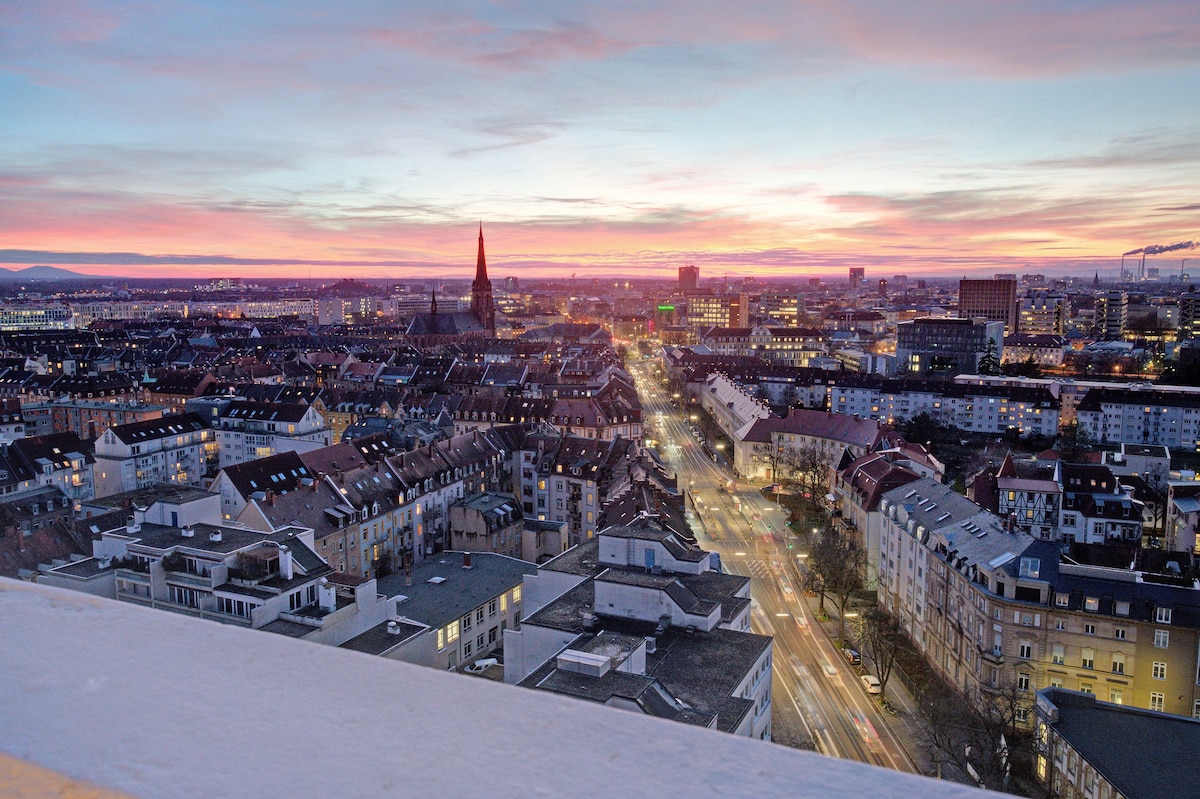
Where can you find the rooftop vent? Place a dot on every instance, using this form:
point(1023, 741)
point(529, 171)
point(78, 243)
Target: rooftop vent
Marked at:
point(214, 536)
point(188, 532)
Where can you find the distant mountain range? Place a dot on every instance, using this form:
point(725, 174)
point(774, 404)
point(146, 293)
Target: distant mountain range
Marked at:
point(45, 273)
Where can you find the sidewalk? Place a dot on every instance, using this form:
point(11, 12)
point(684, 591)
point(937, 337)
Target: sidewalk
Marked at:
point(906, 724)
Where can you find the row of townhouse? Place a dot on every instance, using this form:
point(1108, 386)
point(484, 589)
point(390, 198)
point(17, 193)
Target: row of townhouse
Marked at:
point(1065, 502)
point(975, 409)
point(989, 606)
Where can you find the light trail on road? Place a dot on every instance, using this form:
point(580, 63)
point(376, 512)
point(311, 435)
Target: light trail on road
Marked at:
point(821, 694)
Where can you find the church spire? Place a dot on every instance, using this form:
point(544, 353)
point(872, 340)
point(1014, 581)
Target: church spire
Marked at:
point(481, 292)
point(481, 278)
point(433, 301)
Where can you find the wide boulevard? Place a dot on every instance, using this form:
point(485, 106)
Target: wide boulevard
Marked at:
point(817, 698)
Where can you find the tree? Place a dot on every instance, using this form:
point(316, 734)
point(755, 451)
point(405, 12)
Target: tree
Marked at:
point(922, 429)
point(840, 570)
point(982, 735)
point(989, 361)
point(1073, 442)
point(879, 640)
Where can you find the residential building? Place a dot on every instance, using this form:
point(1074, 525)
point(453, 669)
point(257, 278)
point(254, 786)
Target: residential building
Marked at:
point(1141, 416)
point(1032, 499)
point(450, 610)
point(946, 345)
point(171, 449)
point(789, 346)
point(12, 420)
point(1044, 350)
point(1189, 316)
point(765, 448)
point(487, 522)
point(36, 317)
point(1091, 748)
point(1096, 508)
point(251, 430)
point(1112, 314)
point(1183, 516)
point(640, 619)
point(994, 300)
point(59, 460)
point(1043, 313)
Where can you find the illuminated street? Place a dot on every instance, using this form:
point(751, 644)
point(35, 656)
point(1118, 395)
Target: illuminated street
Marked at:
point(817, 698)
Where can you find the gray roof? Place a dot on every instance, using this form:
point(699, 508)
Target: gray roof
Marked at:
point(1140, 752)
point(460, 590)
point(379, 639)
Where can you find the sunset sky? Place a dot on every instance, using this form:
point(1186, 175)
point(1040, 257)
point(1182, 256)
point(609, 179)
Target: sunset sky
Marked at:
point(367, 139)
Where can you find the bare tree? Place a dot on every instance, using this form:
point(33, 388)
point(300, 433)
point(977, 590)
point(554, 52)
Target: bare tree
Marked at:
point(879, 640)
point(840, 568)
point(982, 735)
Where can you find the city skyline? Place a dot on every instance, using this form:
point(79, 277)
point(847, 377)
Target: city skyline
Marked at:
point(783, 139)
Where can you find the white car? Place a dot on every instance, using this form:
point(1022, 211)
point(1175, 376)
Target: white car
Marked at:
point(872, 684)
point(480, 666)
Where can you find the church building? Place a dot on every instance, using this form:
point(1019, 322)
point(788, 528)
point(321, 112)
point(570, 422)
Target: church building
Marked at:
point(436, 328)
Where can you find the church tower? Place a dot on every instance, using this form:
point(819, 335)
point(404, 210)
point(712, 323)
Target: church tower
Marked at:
point(481, 292)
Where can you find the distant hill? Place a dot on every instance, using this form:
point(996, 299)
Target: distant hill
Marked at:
point(44, 273)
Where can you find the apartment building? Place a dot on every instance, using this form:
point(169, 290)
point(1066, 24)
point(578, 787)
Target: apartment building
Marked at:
point(451, 609)
point(787, 346)
point(1106, 750)
point(988, 605)
point(248, 430)
point(994, 300)
point(1165, 418)
point(717, 310)
point(762, 445)
point(171, 449)
point(58, 460)
point(640, 619)
point(487, 522)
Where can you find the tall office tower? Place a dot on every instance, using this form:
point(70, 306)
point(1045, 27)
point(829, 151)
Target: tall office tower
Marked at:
point(1112, 312)
point(512, 284)
point(1044, 313)
point(994, 300)
point(857, 275)
point(689, 278)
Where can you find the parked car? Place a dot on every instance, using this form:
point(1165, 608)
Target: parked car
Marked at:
point(852, 656)
point(871, 683)
point(480, 666)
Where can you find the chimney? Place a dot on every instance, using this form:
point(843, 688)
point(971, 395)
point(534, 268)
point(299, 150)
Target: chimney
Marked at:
point(466, 560)
point(326, 596)
point(393, 628)
point(188, 531)
point(285, 563)
point(215, 536)
point(131, 525)
point(271, 498)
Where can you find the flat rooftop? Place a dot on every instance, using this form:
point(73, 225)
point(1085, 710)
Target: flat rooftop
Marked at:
point(352, 727)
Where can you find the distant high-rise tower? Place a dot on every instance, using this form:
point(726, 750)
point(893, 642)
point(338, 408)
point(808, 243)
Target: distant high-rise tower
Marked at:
point(481, 291)
point(995, 300)
point(857, 275)
point(689, 278)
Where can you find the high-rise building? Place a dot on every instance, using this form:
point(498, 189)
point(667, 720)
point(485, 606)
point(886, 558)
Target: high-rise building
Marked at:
point(994, 300)
point(512, 284)
point(718, 310)
point(857, 275)
point(785, 307)
point(1112, 312)
point(1189, 316)
point(945, 344)
point(689, 278)
point(1044, 313)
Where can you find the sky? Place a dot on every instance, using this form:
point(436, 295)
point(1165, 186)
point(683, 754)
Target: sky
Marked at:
point(774, 138)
